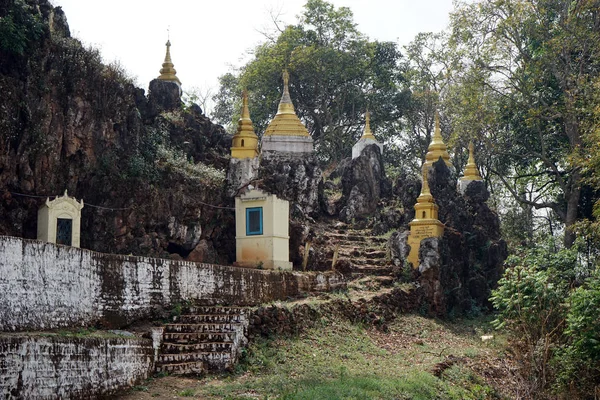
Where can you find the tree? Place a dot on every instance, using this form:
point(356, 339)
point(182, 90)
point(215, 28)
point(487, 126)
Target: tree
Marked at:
point(336, 74)
point(20, 26)
point(534, 62)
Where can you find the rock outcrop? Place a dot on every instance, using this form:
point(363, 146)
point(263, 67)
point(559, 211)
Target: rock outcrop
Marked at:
point(458, 270)
point(67, 121)
point(363, 184)
point(296, 178)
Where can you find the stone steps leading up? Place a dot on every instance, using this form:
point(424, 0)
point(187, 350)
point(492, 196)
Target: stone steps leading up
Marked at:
point(193, 368)
point(197, 337)
point(201, 327)
point(207, 358)
point(176, 348)
point(366, 254)
point(207, 318)
point(203, 339)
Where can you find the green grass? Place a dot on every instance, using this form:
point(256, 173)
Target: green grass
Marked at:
point(345, 361)
point(187, 393)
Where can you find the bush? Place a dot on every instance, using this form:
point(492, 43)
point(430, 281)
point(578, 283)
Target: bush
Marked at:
point(530, 303)
point(579, 359)
point(20, 27)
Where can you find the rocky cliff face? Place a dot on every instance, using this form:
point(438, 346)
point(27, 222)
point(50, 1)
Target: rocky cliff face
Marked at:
point(69, 122)
point(457, 271)
point(296, 178)
point(363, 184)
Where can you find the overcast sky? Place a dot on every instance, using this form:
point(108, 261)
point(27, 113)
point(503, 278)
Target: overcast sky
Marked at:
point(209, 36)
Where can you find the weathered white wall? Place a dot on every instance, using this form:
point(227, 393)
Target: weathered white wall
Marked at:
point(37, 367)
point(45, 286)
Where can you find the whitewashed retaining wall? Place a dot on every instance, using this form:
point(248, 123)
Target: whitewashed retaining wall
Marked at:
point(47, 286)
point(40, 368)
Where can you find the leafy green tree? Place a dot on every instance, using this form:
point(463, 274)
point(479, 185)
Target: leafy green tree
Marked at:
point(336, 74)
point(20, 25)
point(530, 66)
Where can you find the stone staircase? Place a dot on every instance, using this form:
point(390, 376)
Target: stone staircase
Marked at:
point(365, 253)
point(203, 339)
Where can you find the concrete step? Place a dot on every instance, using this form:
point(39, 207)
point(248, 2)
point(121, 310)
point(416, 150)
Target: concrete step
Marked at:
point(204, 328)
point(207, 318)
point(207, 358)
point(177, 348)
point(368, 253)
point(371, 270)
point(197, 337)
point(215, 310)
point(183, 368)
point(380, 262)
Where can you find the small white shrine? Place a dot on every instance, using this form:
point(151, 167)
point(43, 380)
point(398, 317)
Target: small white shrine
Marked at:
point(59, 221)
point(262, 231)
point(366, 139)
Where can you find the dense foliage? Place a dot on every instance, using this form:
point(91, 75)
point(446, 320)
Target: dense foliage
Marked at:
point(336, 75)
point(548, 301)
point(19, 27)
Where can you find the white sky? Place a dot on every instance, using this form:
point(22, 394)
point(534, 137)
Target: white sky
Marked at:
point(208, 36)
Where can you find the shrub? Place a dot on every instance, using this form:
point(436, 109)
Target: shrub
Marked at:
point(579, 359)
point(20, 27)
point(530, 303)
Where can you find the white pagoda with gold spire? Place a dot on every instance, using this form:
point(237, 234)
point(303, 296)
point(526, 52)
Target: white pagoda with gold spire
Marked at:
point(366, 139)
point(285, 132)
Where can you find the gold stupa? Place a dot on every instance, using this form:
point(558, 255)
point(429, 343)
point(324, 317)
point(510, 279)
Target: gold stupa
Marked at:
point(471, 171)
point(286, 122)
point(167, 72)
point(367, 134)
point(437, 148)
point(426, 223)
point(245, 141)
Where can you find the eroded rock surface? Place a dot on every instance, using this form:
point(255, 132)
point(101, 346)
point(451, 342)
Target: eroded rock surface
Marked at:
point(363, 184)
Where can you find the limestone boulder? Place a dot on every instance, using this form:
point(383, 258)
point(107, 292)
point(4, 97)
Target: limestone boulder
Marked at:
point(296, 178)
point(398, 246)
point(164, 96)
point(363, 184)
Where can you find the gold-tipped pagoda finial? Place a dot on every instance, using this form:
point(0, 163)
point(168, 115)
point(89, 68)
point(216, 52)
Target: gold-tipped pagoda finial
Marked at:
point(245, 141)
point(425, 196)
point(426, 223)
point(167, 72)
point(286, 122)
point(367, 134)
point(471, 171)
point(437, 147)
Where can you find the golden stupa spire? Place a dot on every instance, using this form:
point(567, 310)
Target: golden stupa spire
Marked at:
point(426, 223)
point(367, 134)
point(167, 72)
point(471, 171)
point(437, 147)
point(245, 123)
point(245, 141)
point(286, 122)
point(425, 196)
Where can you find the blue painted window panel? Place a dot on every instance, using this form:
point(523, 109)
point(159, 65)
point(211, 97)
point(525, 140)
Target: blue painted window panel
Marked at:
point(254, 221)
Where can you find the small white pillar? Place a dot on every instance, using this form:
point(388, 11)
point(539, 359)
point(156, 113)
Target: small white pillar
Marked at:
point(59, 221)
point(262, 231)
